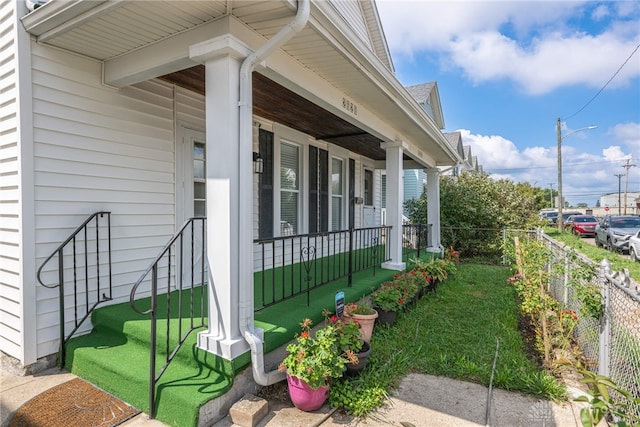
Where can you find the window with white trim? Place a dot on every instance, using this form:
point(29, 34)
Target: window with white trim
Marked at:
point(289, 189)
point(199, 179)
point(337, 196)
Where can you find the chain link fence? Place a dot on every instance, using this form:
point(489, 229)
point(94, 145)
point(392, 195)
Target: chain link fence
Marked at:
point(610, 344)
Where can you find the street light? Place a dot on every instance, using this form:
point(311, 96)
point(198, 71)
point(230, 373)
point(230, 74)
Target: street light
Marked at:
point(560, 138)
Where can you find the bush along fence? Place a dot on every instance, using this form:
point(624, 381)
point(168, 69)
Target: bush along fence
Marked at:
point(569, 298)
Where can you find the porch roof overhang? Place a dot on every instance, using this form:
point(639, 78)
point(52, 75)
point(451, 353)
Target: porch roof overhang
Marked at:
point(316, 80)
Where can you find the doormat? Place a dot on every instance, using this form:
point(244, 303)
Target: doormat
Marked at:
point(74, 403)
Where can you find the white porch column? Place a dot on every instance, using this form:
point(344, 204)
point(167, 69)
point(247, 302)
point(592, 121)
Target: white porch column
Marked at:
point(433, 209)
point(395, 193)
point(222, 58)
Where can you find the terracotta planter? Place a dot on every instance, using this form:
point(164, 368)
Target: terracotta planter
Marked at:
point(304, 397)
point(366, 322)
point(386, 317)
point(363, 357)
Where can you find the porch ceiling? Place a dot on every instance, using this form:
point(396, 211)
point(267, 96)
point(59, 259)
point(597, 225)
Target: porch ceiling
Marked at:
point(111, 30)
point(277, 103)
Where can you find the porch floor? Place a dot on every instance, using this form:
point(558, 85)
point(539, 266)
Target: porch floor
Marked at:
point(115, 355)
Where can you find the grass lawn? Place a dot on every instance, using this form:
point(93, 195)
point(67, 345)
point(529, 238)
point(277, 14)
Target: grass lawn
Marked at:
point(454, 332)
point(618, 262)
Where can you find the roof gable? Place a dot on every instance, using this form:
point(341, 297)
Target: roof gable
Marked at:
point(362, 17)
point(426, 94)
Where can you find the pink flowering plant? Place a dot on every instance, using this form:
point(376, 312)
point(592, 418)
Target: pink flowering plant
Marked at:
point(360, 308)
point(316, 358)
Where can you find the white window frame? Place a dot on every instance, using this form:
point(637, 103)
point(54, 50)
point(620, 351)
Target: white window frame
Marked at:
point(298, 191)
point(344, 206)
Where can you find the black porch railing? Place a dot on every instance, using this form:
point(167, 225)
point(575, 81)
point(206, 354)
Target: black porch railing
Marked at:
point(179, 270)
point(289, 266)
point(415, 238)
point(83, 253)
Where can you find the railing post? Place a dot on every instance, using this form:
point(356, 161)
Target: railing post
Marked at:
point(350, 274)
point(605, 325)
point(61, 303)
point(152, 353)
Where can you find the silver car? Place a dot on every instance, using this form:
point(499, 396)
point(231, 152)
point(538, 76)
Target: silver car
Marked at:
point(613, 232)
point(634, 247)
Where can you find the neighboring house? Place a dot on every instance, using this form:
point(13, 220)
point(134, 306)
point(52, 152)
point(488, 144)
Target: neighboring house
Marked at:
point(414, 181)
point(271, 118)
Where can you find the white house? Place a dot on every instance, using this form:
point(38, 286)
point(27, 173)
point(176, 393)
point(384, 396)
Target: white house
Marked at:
point(161, 111)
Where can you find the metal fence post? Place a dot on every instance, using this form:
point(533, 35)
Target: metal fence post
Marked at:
point(350, 275)
point(419, 236)
point(565, 296)
point(504, 242)
point(605, 325)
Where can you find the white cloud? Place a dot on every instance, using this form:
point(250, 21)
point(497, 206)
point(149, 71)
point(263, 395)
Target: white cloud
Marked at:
point(628, 134)
point(614, 154)
point(526, 42)
point(585, 176)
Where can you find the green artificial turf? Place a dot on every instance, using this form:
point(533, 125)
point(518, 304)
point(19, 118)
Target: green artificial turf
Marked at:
point(115, 355)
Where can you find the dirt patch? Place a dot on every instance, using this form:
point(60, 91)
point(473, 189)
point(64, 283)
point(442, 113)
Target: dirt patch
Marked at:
point(278, 392)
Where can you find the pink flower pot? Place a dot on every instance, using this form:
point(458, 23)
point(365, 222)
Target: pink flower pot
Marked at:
point(304, 397)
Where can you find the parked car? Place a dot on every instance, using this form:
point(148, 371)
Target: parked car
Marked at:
point(551, 217)
point(582, 225)
point(565, 216)
point(613, 232)
point(634, 247)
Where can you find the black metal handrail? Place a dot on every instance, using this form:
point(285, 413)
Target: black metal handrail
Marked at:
point(416, 237)
point(84, 263)
point(289, 266)
point(178, 266)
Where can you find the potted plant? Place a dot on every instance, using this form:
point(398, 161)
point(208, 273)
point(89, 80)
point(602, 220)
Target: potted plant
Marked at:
point(364, 315)
point(436, 269)
point(387, 299)
point(312, 361)
point(409, 285)
point(350, 342)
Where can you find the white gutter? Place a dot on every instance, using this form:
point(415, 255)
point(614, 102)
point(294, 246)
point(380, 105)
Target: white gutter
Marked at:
point(245, 234)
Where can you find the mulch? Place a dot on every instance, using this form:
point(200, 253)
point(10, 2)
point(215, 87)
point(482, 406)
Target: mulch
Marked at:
point(74, 403)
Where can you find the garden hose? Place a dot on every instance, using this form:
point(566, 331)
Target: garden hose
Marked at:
point(493, 369)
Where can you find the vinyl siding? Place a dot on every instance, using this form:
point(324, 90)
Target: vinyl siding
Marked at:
point(101, 148)
point(352, 14)
point(10, 255)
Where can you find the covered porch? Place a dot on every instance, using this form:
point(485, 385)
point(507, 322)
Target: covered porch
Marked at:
point(293, 86)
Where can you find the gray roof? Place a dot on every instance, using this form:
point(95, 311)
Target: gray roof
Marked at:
point(421, 92)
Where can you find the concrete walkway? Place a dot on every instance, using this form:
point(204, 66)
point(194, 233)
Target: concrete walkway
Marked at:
point(430, 401)
point(420, 400)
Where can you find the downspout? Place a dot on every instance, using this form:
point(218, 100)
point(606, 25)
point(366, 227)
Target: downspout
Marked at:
point(245, 235)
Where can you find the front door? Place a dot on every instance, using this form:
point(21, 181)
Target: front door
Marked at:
point(368, 209)
point(191, 198)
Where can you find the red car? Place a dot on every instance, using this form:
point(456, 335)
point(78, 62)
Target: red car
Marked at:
point(583, 225)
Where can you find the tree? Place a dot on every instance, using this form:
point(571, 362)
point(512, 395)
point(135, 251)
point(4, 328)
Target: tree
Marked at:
point(474, 208)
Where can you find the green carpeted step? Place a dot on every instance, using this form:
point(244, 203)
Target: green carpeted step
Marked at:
point(121, 367)
point(115, 356)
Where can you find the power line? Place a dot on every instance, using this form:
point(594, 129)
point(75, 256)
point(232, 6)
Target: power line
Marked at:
point(564, 166)
point(605, 85)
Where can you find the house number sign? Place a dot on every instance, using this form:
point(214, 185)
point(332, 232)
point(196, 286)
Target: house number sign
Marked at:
point(350, 106)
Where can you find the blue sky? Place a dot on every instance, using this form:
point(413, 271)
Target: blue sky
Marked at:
point(507, 70)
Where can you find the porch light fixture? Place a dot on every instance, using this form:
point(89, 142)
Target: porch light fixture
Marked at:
point(258, 163)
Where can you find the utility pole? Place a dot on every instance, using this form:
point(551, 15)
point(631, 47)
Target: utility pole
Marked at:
point(626, 183)
point(619, 175)
point(559, 141)
point(551, 194)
